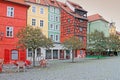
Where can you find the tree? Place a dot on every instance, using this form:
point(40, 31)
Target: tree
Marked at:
point(113, 43)
point(30, 37)
point(97, 42)
point(73, 44)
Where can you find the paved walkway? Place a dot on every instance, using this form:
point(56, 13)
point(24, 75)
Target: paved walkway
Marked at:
point(83, 69)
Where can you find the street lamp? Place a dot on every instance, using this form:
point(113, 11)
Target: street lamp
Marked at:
point(1, 35)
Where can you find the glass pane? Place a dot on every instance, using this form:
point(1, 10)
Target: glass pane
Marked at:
point(14, 55)
point(48, 54)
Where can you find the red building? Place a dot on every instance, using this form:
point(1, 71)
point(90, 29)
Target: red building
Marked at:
point(13, 17)
point(73, 23)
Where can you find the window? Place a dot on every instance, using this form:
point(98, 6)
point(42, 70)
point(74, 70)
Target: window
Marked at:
point(56, 18)
point(81, 29)
point(14, 54)
point(33, 22)
point(52, 36)
point(29, 52)
point(68, 30)
point(81, 38)
point(10, 11)
point(57, 11)
point(9, 31)
point(33, 9)
point(51, 26)
point(57, 27)
point(41, 23)
point(38, 52)
point(51, 9)
point(56, 38)
point(55, 54)
point(81, 20)
point(68, 20)
point(41, 10)
point(51, 17)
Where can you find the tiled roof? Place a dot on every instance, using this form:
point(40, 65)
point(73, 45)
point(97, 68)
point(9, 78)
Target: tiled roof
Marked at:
point(52, 3)
point(76, 6)
point(18, 2)
point(42, 2)
point(96, 17)
point(69, 11)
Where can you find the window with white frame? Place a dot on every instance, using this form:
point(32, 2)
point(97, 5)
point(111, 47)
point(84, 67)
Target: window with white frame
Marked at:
point(56, 18)
point(57, 27)
point(81, 38)
point(41, 10)
point(51, 9)
point(10, 11)
point(56, 37)
point(33, 22)
point(51, 26)
point(57, 11)
point(81, 29)
point(9, 31)
point(41, 23)
point(51, 17)
point(52, 36)
point(29, 52)
point(14, 54)
point(33, 9)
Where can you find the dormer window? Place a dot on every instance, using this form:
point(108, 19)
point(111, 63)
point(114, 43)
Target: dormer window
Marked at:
point(38, 1)
point(52, 1)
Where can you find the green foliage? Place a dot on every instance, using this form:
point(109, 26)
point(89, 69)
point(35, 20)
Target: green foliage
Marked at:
point(32, 37)
point(113, 42)
point(97, 41)
point(73, 44)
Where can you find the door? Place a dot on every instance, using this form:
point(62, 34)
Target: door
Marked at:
point(61, 54)
point(6, 56)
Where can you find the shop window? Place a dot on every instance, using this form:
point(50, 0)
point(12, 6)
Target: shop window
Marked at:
point(30, 52)
point(48, 54)
point(38, 52)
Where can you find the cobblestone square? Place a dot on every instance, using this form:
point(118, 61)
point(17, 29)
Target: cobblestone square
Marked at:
point(83, 69)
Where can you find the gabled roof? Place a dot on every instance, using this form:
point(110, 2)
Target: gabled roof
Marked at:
point(96, 17)
point(42, 2)
point(18, 2)
point(76, 6)
point(69, 11)
point(52, 3)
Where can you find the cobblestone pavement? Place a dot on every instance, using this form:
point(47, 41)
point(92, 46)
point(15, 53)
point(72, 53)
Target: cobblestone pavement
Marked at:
point(83, 69)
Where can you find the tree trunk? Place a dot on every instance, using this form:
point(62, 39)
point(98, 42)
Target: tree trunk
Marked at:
point(72, 55)
point(33, 57)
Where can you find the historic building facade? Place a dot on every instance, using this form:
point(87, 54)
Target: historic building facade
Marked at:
point(54, 29)
point(11, 21)
point(37, 16)
point(73, 23)
point(97, 22)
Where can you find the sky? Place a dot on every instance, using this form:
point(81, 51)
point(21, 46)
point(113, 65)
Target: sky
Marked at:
point(108, 9)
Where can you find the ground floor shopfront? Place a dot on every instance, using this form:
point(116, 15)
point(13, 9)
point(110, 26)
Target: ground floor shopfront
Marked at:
point(57, 52)
point(11, 53)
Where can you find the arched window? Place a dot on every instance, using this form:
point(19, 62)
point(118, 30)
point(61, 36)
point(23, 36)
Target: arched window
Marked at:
point(14, 54)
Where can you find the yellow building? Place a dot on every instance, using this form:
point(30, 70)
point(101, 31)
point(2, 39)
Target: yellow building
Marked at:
point(38, 15)
point(112, 29)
